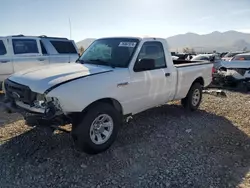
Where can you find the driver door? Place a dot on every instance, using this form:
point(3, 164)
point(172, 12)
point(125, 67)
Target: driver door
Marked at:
point(148, 87)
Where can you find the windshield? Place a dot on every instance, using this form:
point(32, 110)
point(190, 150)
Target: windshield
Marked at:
point(115, 52)
point(242, 57)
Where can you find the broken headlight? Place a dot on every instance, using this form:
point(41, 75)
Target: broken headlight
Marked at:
point(42, 101)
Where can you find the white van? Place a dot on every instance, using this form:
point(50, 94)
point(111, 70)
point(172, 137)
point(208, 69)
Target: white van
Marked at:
point(21, 52)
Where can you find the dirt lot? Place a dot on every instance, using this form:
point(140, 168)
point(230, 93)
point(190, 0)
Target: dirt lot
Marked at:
point(163, 147)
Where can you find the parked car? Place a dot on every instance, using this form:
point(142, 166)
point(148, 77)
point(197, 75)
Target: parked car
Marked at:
point(202, 57)
point(223, 54)
point(114, 79)
point(234, 72)
point(214, 58)
point(175, 57)
point(241, 57)
point(182, 56)
point(230, 55)
point(22, 52)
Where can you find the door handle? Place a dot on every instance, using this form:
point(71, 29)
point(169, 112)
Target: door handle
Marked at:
point(122, 84)
point(167, 74)
point(40, 59)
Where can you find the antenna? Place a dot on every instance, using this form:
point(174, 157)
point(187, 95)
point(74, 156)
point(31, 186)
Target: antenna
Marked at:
point(69, 35)
point(69, 28)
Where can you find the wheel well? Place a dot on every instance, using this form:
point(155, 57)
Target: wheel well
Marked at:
point(112, 102)
point(199, 80)
point(76, 116)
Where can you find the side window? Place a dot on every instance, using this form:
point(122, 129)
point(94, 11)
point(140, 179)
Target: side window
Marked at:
point(24, 46)
point(154, 51)
point(64, 47)
point(2, 48)
point(44, 51)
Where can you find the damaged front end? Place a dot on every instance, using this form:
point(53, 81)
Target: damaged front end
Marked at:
point(232, 77)
point(36, 108)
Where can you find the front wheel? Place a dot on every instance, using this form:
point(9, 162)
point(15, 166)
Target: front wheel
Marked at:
point(98, 129)
point(193, 99)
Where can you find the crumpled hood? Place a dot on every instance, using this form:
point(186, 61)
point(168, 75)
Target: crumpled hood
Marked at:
point(39, 79)
point(235, 64)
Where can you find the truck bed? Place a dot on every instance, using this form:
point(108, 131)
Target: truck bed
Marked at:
point(186, 63)
point(187, 72)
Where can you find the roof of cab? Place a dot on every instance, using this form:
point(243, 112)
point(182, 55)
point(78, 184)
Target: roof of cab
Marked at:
point(41, 36)
point(132, 37)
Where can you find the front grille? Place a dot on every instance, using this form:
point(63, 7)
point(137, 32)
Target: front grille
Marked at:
point(240, 71)
point(19, 92)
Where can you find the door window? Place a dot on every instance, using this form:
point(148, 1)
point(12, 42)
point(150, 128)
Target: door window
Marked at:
point(24, 46)
point(153, 51)
point(64, 47)
point(2, 48)
point(44, 51)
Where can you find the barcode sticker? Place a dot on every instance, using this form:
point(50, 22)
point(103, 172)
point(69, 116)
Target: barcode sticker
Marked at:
point(127, 44)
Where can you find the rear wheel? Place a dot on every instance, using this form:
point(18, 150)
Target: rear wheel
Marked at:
point(193, 99)
point(98, 129)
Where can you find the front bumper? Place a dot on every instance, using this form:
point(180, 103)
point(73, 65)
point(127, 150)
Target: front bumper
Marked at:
point(227, 79)
point(29, 108)
point(34, 116)
point(20, 99)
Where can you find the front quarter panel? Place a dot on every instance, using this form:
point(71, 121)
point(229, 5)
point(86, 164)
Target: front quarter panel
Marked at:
point(75, 96)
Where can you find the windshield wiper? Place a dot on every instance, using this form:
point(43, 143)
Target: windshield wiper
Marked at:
point(79, 61)
point(102, 62)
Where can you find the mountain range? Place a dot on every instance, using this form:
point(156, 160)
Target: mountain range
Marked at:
point(218, 41)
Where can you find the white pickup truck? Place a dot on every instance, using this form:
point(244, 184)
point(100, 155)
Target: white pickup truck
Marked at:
point(114, 78)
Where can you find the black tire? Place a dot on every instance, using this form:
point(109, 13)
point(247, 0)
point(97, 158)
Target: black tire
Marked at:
point(81, 131)
point(187, 102)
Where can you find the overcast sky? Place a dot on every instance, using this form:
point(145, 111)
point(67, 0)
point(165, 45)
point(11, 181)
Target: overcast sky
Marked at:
point(101, 18)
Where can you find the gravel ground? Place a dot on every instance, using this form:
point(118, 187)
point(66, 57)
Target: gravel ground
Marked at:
point(162, 147)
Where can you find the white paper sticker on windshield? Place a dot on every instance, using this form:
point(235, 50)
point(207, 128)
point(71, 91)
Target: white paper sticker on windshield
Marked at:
point(127, 44)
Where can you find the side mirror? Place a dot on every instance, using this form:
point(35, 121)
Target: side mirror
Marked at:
point(144, 64)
